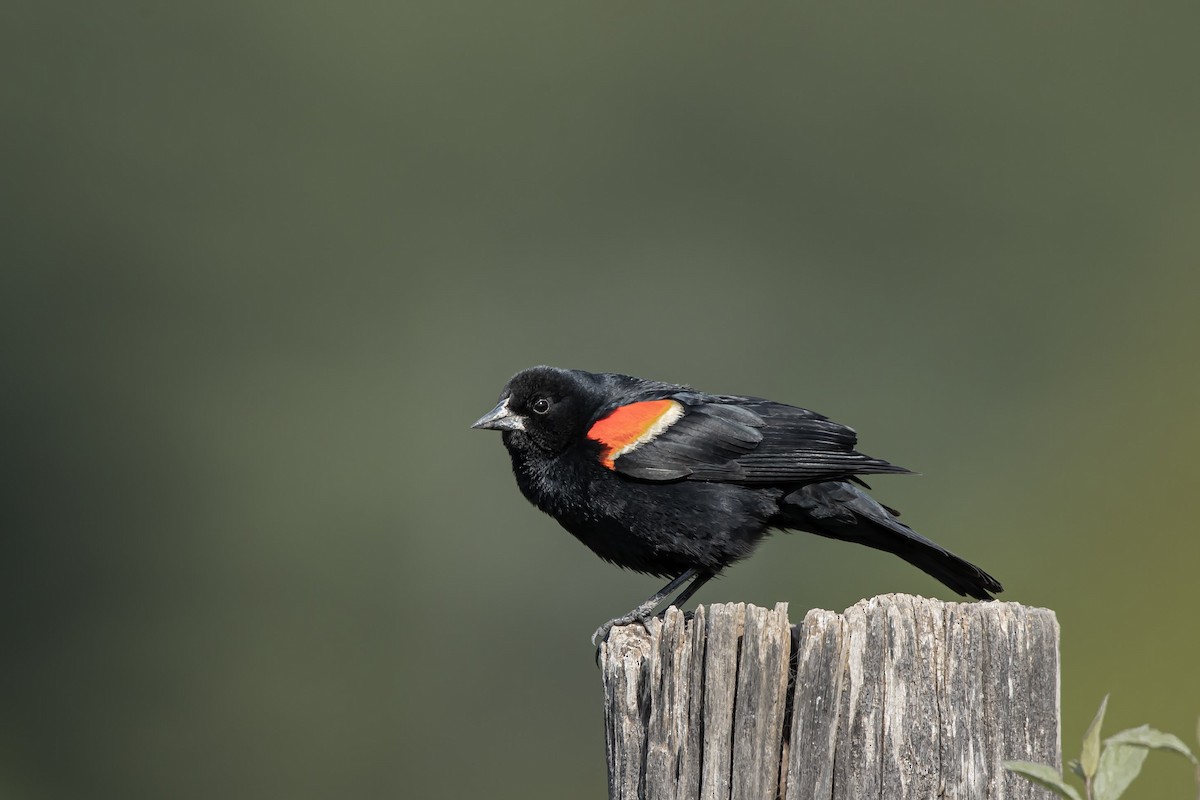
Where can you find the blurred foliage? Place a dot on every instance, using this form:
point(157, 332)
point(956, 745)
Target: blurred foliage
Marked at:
point(263, 262)
point(1106, 773)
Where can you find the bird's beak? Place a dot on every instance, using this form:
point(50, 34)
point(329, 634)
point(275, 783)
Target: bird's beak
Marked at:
point(501, 418)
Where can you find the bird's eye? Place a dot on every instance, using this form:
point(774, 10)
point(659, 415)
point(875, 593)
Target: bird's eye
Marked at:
point(540, 406)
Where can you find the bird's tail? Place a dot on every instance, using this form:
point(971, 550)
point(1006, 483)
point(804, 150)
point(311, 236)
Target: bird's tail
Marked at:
point(840, 510)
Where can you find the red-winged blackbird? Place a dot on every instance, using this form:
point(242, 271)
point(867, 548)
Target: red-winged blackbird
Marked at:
point(666, 480)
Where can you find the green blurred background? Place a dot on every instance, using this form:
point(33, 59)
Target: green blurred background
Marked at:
point(264, 262)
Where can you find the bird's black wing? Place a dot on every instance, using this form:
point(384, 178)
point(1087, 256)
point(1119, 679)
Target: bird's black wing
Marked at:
point(719, 438)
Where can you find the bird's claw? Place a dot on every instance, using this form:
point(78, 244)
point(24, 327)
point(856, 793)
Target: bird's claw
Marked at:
point(601, 634)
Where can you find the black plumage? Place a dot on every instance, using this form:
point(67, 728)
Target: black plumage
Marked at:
point(669, 481)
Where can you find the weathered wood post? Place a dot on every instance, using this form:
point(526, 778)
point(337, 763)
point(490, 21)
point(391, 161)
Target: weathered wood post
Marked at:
point(899, 697)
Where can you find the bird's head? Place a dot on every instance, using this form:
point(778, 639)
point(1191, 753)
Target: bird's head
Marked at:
point(544, 408)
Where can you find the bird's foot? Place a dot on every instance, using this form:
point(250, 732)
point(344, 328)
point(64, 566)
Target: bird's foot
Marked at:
point(601, 634)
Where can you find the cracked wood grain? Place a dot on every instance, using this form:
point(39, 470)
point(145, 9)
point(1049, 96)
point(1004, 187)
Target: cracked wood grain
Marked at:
point(897, 697)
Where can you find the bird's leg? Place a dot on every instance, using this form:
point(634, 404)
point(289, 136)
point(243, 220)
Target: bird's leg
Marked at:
point(701, 579)
point(642, 612)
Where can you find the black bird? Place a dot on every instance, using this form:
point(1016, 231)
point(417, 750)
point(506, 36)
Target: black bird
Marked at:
point(665, 480)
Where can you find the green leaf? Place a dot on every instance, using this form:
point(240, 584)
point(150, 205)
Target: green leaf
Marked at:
point(1075, 767)
point(1044, 776)
point(1090, 757)
point(1119, 765)
point(1145, 736)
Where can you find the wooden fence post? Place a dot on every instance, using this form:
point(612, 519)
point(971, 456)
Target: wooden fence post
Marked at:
point(899, 697)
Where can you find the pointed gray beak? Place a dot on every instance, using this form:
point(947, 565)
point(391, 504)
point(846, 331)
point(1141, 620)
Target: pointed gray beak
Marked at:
point(500, 419)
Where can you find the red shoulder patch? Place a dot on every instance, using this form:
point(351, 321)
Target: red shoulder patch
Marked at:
point(631, 426)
